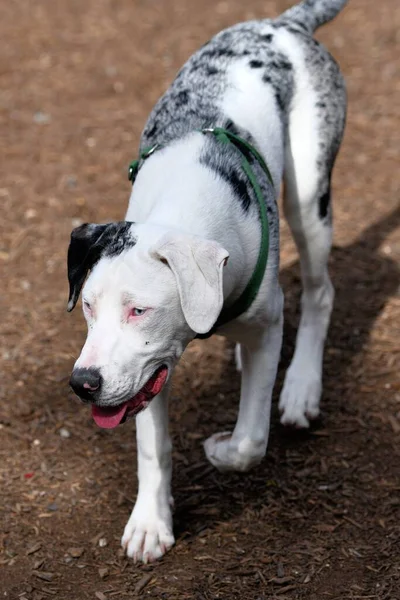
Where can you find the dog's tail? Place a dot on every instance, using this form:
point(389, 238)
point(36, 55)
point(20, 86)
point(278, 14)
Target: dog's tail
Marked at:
point(311, 14)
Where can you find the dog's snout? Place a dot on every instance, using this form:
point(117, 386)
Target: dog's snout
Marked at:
point(86, 383)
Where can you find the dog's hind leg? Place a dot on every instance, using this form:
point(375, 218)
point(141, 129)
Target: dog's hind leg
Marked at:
point(315, 129)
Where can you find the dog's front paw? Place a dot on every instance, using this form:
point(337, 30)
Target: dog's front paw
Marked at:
point(148, 533)
point(227, 454)
point(299, 401)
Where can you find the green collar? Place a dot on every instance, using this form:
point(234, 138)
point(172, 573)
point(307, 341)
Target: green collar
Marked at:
point(245, 300)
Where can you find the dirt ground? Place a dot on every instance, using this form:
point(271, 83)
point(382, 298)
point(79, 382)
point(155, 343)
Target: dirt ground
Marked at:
point(320, 518)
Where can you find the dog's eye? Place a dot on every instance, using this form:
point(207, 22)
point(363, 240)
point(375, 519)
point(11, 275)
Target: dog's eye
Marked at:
point(87, 306)
point(137, 312)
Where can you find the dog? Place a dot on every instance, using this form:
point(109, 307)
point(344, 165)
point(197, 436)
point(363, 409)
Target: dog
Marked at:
point(261, 102)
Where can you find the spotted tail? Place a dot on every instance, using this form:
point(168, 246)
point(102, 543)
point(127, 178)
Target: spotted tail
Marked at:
point(311, 14)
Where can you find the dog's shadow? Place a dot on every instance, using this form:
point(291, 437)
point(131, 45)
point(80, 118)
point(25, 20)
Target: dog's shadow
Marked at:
point(364, 278)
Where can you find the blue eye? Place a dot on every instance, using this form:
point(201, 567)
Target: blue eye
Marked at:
point(138, 312)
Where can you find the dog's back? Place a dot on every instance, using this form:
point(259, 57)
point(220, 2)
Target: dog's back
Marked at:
point(272, 83)
point(257, 65)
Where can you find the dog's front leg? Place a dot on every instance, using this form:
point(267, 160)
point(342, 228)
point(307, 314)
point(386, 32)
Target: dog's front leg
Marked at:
point(246, 446)
point(148, 533)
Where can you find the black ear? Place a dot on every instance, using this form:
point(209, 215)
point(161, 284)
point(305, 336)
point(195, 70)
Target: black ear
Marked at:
point(88, 243)
point(83, 253)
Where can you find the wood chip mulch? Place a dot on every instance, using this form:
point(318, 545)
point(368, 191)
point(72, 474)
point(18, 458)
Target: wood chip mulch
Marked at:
point(320, 517)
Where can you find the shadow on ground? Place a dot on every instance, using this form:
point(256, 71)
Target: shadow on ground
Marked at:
point(364, 279)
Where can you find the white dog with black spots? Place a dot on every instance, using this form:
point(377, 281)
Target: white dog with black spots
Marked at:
point(190, 243)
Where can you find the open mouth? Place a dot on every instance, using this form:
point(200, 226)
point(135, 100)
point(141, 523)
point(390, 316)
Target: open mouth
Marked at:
point(110, 417)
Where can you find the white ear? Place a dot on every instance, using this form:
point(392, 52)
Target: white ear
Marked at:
point(197, 264)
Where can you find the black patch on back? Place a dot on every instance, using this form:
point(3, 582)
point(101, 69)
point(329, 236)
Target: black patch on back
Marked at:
point(230, 126)
point(267, 37)
point(230, 174)
point(256, 64)
point(219, 53)
point(280, 64)
point(324, 203)
point(212, 71)
point(153, 130)
point(294, 26)
point(182, 98)
point(240, 188)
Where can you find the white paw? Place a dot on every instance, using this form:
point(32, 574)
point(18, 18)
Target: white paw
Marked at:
point(299, 401)
point(227, 454)
point(148, 533)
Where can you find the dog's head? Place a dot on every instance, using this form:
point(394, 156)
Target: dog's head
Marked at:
point(149, 290)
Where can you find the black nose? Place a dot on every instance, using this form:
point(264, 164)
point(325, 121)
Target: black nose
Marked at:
point(86, 383)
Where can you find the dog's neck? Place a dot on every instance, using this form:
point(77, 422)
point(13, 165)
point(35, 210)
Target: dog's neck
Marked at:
point(174, 191)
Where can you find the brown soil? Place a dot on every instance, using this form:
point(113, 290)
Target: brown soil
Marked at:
point(320, 517)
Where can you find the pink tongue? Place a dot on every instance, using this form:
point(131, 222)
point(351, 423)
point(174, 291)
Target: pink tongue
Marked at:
point(108, 418)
